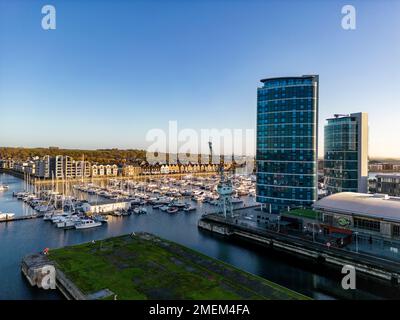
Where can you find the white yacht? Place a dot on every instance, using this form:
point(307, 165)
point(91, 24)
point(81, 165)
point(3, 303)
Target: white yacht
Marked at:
point(87, 223)
point(68, 222)
point(3, 187)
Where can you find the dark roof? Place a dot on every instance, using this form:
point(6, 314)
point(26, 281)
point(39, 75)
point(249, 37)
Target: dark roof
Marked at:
point(296, 77)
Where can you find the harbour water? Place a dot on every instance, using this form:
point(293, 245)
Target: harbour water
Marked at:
point(19, 238)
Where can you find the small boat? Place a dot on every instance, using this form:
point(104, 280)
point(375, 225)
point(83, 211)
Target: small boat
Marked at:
point(68, 223)
point(189, 208)
point(157, 206)
point(86, 224)
point(164, 208)
point(3, 187)
point(117, 213)
point(172, 210)
point(100, 218)
point(178, 204)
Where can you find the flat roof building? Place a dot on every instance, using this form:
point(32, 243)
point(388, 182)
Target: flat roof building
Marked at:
point(388, 183)
point(374, 214)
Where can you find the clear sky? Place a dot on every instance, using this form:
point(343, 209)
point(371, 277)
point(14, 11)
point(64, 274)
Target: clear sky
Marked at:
point(112, 70)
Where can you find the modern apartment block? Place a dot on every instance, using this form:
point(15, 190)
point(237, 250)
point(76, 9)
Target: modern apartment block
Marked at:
point(57, 167)
point(388, 184)
point(346, 153)
point(42, 167)
point(287, 135)
point(65, 167)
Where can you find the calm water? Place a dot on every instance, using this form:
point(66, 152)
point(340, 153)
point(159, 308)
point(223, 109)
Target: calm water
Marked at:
point(20, 238)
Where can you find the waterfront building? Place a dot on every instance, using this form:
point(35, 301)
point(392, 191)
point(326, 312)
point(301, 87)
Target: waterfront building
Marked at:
point(42, 167)
point(94, 170)
point(7, 164)
point(100, 170)
point(25, 166)
point(376, 167)
point(131, 170)
point(57, 167)
point(105, 206)
point(82, 169)
point(375, 215)
point(287, 135)
point(389, 184)
point(107, 170)
point(346, 153)
point(69, 169)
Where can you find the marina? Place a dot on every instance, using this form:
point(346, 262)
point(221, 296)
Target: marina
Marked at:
point(21, 238)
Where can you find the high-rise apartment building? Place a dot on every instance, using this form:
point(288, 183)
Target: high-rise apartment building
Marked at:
point(346, 153)
point(287, 118)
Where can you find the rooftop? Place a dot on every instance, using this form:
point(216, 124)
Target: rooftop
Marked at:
point(282, 78)
point(388, 175)
point(379, 206)
point(143, 266)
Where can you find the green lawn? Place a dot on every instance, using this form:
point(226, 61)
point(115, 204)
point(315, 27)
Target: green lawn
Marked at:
point(305, 213)
point(147, 267)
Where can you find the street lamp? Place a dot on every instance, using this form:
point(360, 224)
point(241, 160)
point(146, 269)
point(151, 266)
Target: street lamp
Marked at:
point(279, 224)
point(313, 232)
point(356, 233)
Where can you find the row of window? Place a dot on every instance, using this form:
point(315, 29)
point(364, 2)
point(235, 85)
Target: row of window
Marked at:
point(286, 130)
point(340, 156)
point(340, 166)
point(271, 118)
point(286, 180)
point(285, 92)
point(304, 194)
point(285, 105)
point(287, 167)
point(287, 140)
point(341, 185)
point(287, 82)
point(287, 155)
point(370, 225)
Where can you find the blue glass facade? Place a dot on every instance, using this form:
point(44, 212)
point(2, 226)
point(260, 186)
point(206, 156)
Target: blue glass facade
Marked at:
point(341, 144)
point(287, 117)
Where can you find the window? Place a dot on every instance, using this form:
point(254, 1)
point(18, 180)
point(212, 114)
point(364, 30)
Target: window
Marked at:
point(396, 231)
point(365, 224)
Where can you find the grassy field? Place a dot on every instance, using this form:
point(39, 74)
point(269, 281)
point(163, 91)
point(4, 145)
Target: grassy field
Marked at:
point(305, 213)
point(146, 267)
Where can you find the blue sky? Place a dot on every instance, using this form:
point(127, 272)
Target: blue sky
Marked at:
point(112, 70)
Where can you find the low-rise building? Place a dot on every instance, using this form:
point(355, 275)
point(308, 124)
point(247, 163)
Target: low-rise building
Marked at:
point(131, 170)
point(375, 215)
point(43, 167)
point(106, 207)
point(389, 184)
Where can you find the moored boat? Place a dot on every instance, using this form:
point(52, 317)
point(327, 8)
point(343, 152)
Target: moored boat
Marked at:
point(86, 224)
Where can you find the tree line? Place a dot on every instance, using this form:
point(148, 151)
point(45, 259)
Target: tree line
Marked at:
point(101, 156)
